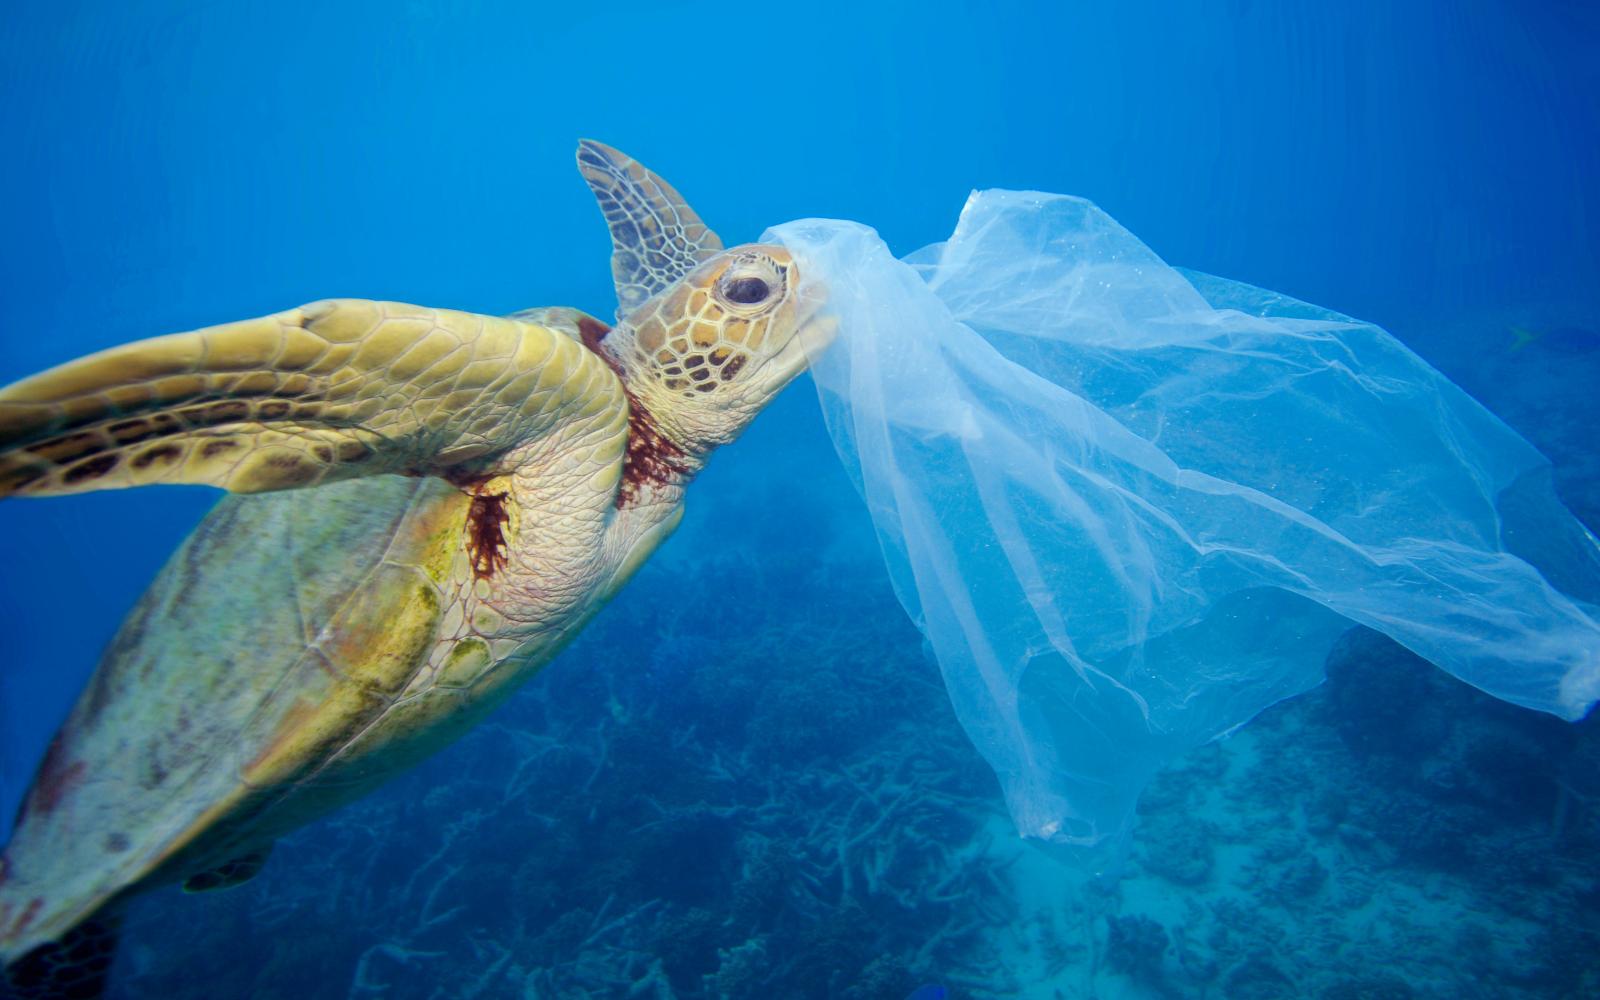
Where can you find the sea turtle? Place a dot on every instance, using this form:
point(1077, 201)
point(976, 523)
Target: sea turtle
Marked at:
point(427, 505)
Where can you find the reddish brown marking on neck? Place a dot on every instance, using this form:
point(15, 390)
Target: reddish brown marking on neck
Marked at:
point(591, 331)
point(486, 536)
point(652, 458)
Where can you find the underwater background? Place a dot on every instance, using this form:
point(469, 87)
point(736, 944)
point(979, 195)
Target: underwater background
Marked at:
point(745, 779)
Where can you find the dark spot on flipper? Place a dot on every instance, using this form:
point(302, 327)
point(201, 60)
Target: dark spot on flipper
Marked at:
point(94, 468)
point(164, 454)
point(18, 480)
point(212, 449)
point(66, 449)
point(353, 451)
point(273, 409)
point(132, 431)
point(154, 775)
point(288, 470)
point(324, 454)
point(126, 432)
point(486, 540)
point(227, 411)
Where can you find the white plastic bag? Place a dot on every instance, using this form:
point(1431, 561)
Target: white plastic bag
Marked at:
point(1131, 507)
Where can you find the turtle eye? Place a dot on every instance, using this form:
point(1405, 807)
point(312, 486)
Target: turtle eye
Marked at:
point(746, 291)
point(751, 283)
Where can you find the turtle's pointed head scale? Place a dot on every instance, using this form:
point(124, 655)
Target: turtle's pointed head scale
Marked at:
point(712, 350)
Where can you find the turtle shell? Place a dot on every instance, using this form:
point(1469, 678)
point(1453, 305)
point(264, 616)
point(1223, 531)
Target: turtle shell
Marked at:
point(285, 627)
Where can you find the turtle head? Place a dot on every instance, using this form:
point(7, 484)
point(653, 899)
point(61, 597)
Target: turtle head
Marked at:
point(706, 337)
point(706, 355)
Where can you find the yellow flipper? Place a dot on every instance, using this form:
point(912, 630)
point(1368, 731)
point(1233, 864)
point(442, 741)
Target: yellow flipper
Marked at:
point(329, 391)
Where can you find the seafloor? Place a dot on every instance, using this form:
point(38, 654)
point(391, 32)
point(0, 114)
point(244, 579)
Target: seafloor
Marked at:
point(746, 781)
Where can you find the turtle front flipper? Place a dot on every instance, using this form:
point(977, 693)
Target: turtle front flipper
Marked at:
point(329, 391)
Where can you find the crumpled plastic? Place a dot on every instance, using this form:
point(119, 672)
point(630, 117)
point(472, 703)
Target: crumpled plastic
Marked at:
point(1130, 507)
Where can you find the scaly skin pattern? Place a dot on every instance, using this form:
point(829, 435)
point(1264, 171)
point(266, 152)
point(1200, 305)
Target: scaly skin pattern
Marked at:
point(312, 643)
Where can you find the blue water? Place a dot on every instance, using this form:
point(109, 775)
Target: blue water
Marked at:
point(745, 779)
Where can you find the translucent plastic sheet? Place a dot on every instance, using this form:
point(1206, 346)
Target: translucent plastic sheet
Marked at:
point(1131, 507)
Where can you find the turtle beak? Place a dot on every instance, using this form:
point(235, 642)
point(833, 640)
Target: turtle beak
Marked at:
point(815, 327)
point(814, 330)
point(816, 334)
